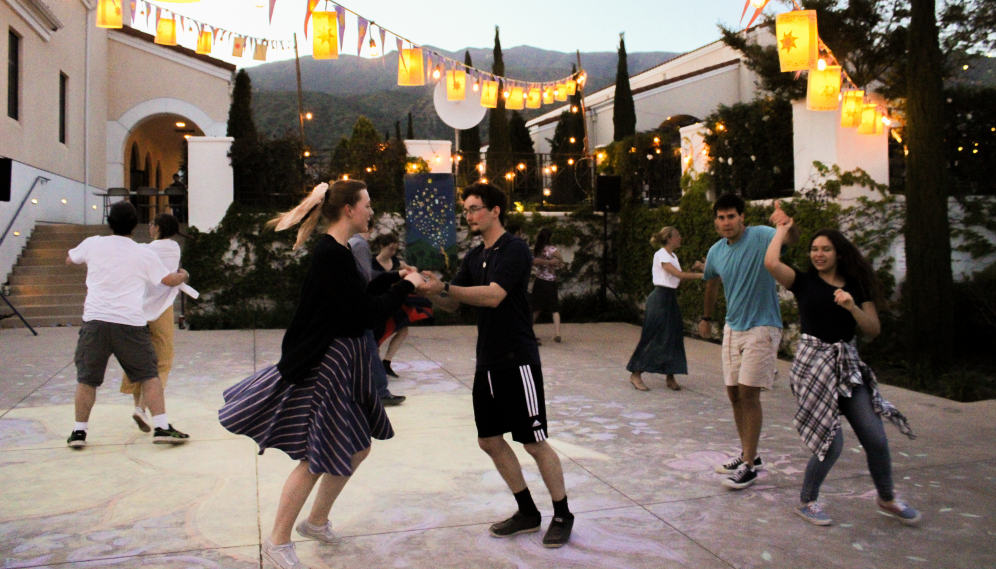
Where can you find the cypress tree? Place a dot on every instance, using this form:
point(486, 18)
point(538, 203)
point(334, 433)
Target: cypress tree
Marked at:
point(397, 130)
point(240, 122)
point(565, 186)
point(470, 147)
point(523, 152)
point(623, 108)
point(929, 284)
point(499, 147)
point(411, 129)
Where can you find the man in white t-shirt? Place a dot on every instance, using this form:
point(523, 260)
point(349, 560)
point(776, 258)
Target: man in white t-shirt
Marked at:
point(114, 321)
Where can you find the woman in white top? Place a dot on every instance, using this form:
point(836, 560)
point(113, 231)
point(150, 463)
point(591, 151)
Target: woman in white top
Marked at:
point(158, 308)
point(547, 260)
point(662, 343)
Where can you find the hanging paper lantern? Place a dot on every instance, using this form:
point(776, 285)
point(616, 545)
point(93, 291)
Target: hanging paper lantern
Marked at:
point(572, 87)
point(456, 85)
point(325, 35)
point(797, 40)
point(534, 98)
point(870, 119)
point(850, 113)
point(260, 53)
point(824, 89)
point(489, 94)
point(166, 31)
point(515, 99)
point(548, 95)
point(204, 42)
point(109, 14)
point(238, 46)
point(560, 92)
point(410, 73)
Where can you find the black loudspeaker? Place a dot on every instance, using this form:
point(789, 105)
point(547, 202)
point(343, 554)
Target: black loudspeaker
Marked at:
point(608, 190)
point(6, 165)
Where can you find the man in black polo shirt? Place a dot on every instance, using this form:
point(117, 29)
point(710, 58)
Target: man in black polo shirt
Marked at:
point(508, 383)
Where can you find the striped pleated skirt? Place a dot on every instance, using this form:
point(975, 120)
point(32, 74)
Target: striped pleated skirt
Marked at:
point(324, 419)
point(662, 343)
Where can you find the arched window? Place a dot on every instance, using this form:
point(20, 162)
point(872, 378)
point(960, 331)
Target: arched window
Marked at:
point(148, 169)
point(134, 171)
point(159, 176)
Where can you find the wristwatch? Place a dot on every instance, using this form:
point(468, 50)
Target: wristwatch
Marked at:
point(446, 290)
point(705, 318)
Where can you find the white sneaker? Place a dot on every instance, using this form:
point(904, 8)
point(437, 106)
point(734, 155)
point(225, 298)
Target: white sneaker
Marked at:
point(142, 421)
point(323, 533)
point(283, 556)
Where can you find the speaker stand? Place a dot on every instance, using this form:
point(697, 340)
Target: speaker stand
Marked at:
point(18, 314)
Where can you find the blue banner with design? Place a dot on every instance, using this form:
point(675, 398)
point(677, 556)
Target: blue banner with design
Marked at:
point(430, 206)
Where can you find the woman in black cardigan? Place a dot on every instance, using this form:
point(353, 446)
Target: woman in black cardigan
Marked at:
point(318, 404)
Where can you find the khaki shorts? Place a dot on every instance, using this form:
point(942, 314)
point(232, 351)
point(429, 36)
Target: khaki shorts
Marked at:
point(750, 357)
point(161, 331)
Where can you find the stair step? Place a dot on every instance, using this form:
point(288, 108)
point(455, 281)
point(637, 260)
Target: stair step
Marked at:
point(25, 301)
point(33, 277)
point(42, 321)
point(58, 254)
point(53, 310)
point(51, 245)
point(63, 228)
point(46, 261)
point(50, 270)
point(46, 289)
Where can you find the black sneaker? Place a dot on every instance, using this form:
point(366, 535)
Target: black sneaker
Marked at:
point(733, 465)
point(559, 532)
point(517, 524)
point(391, 400)
point(387, 368)
point(77, 439)
point(741, 479)
point(169, 436)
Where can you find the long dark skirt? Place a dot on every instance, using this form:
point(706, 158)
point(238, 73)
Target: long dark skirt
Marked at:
point(324, 419)
point(662, 343)
point(545, 296)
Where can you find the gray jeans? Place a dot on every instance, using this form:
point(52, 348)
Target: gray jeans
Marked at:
point(377, 371)
point(868, 427)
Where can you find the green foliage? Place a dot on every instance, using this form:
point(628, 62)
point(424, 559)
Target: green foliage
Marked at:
point(499, 156)
point(566, 156)
point(267, 173)
point(970, 141)
point(751, 148)
point(381, 164)
point(248, 276)
point(623, 107)
point(240, 121)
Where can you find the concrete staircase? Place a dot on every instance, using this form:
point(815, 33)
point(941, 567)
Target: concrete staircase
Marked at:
point(42, 287)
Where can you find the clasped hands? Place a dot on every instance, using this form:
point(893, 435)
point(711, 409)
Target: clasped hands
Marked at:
point(426, 283)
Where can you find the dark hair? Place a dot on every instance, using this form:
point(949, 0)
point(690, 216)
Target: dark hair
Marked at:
point(542, 240)
point(167, 224)
point(492, 196)
point(340, 194)
point(729, 201)
point(122, 218)
point(378, 243)
point(851, 264)
point(513, 228)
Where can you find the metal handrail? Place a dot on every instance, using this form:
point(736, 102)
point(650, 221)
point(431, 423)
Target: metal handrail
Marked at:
point(41, 179)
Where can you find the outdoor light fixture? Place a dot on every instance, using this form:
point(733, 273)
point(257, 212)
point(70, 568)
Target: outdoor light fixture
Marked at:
point(307, 153)
point(517, 101)
point(94, 207)
point(484, 180)
point(572, 87)
point(64, 200)
point(522, 166)
point(16, 233)
point(850, 113)
point(438, 159)
point(869, 118)
point(456, 85)
point(657, 140)
point(546, 170)
point(435, 73)
point(345, 176)
point(573, 140)
point(166, 32)
point(570, 161)
point(489, 94)
point(369, 170)
point(548, 96)
point(534, 98)
point(554, 167)
point(821, 65)
point(480, 168)
point(180, 124)
point(546, 191)
point(186, 136)
point(509, 176)
point(308, 115)
point(476, 86)
point(797, 40)
point(574, 109)
point(824, 88)
point(204, 42)
point(410, 73)
point(34, 201)
point(109, 14)
point(561, 93)
point(373, 48)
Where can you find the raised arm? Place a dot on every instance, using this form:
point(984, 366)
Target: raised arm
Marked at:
point(773, 257)
point(779, 218)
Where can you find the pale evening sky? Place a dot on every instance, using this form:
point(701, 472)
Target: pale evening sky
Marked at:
point(650, 25)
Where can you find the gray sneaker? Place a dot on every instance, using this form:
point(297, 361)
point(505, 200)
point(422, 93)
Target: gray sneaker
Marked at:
point(323, 533)
point(901, 511)
point(283, 556)
point(517, 524)
point(814, 514)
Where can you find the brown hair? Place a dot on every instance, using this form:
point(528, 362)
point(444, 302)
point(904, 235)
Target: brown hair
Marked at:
point(167, 224)
point(337, 196)
point(661, 238)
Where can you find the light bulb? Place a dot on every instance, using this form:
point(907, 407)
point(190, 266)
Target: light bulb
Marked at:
point(886, 120)
point(506, 94)
point(475, 86)
point(574, 109)
point(757, 3)
point(373, 48)
point(435, 73)
point(570, 161)
point(308, 116)
point(345, 176)
point(821, 65)
point(573, 140)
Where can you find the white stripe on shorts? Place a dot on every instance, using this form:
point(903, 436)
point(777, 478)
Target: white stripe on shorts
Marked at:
point(529, 386)
point(491, 387)
point(539, 435)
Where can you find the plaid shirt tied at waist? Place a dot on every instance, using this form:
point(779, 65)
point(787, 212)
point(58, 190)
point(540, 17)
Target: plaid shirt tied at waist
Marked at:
point(821, 373)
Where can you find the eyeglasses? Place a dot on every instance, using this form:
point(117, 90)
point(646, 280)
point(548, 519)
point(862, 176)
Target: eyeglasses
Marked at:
point(472, 210)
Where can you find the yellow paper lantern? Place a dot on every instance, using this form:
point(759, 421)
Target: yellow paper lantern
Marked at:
point(533, 98)
point(797, 40)
point(238, 46)
point(260, 53)
point(572, 87)
point(548, 96)
point(489, 94)
point(560, 92)
point(870, 119)
point(410, 71)
point(824, 89)
point(109, 14)
point(324, 35)
point(456, 85)
point(166, 31)
point(515, 100)
point(850, 112)
point(204, 42)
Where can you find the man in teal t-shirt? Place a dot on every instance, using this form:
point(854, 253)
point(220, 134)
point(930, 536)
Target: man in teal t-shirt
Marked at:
point(753, 328)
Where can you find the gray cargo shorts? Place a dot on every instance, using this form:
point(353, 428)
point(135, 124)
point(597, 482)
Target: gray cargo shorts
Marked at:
point(131, 345)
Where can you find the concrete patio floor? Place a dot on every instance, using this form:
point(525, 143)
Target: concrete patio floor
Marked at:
point(638, 466)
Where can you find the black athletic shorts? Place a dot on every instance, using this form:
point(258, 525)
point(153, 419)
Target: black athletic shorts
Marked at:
point(131, 345)
point(510, 400)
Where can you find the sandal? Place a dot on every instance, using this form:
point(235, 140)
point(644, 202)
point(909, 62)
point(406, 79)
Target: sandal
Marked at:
point(672, 384)
point(638, 383)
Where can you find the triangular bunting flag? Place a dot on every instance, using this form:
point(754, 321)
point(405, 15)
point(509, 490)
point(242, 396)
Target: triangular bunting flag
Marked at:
point(361, 32)
point(272, 3)
point(340, 14)
point(383, 41)
point(307, 15)
point(134, 8)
